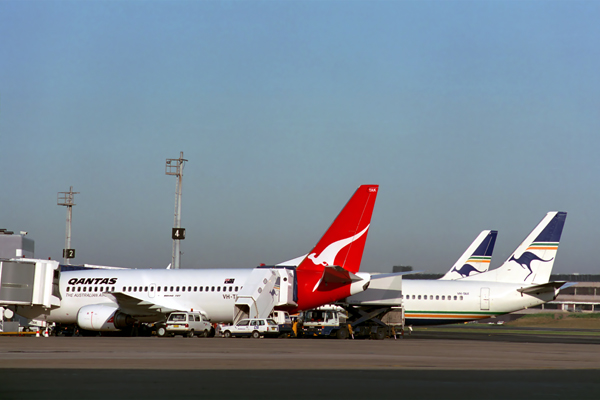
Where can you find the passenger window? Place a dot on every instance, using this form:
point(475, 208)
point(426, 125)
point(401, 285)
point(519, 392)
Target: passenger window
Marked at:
point(212, 289)
point(201, 287)
point(218, 288)
point(165, 288)
point(437, 297)
point(171, 288)
point(413, 297)
point(196, 288)
point(95, 288)
point(152, 288)
point(84, 288)
point(443, 297)
point(183, 288)
point(254, 322)
point(67, 288)
point(79, 289)
point(230, 288)
point(419, 297)
point(236, 288)
point(146, 289)
point(158, 288)
point(189, 288)
point(129, 289)
point(461, 297)
point(197, 318)
point(206, 289)
point(454, 297)
point(135, 288)
point(124, 289)
point(431, 297)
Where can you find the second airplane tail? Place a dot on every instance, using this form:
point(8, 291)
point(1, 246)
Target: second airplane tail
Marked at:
point(476, 259)
point(532, 261)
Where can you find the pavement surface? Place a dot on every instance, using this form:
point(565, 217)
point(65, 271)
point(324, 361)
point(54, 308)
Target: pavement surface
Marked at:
point(428, 364)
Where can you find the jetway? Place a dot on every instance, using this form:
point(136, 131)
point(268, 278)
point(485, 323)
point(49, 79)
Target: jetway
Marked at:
point(265, 289)
point(29, 282)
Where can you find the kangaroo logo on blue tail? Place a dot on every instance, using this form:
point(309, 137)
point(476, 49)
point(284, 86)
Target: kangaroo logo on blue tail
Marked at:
point(526, 259)
point(466, 270)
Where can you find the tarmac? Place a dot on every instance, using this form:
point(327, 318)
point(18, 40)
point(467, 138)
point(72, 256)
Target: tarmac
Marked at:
point(446, 363)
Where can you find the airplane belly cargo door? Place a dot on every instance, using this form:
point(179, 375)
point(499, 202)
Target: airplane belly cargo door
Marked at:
point(485, 298)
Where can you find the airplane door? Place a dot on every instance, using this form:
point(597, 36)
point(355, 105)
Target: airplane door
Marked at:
point(485, 298)
point(152, 289)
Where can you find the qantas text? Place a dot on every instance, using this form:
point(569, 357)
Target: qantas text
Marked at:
point(92, 281)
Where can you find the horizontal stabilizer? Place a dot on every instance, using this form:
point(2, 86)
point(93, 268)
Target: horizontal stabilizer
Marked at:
point(336, 275)
point(543, 288)
point(294, 262)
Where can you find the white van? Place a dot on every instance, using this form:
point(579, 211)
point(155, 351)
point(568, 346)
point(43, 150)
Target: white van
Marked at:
point(253, 327)
point(186, 324)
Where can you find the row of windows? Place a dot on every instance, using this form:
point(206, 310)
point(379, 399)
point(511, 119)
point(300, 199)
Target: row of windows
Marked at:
point(437, 297)
point(182, 288)
point(91, 289)
point(158, 289)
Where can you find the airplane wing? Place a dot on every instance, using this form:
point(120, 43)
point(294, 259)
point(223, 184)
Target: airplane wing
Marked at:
point(136, 307)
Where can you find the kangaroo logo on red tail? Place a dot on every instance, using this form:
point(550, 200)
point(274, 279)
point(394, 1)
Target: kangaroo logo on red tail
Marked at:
point(327, 256)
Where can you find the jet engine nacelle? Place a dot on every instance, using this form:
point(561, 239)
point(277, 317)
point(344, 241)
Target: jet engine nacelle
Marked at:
point(103, 317)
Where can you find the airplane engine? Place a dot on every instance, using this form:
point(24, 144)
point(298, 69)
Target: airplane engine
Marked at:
point(102, 317)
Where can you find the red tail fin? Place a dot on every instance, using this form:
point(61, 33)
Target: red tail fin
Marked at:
point(344, 241)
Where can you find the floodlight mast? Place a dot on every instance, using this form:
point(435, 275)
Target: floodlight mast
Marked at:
point(174, 166)
point(67, 199)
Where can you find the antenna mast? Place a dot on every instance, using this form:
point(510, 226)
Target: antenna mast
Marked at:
point(174, 166)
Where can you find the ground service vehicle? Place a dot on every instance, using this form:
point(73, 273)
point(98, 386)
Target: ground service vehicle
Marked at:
point(282, 318)
point(326, 321)
point(253, 327)
point(186, 324)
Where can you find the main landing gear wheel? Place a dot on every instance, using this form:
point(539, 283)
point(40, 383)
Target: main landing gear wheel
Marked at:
point(255, 335)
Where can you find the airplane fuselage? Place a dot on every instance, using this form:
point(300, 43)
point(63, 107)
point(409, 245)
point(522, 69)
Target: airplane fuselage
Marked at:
point(434, 302)
point(211, 291)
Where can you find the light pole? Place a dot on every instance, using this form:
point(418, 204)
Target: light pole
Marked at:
point(174, 166)
point(66, 199)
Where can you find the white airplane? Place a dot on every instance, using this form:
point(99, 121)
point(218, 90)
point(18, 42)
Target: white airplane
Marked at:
point(476, 259)
point(111, 300)
point(521, 282)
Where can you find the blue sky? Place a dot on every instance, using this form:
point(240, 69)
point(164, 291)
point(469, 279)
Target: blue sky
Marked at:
point(470, 115)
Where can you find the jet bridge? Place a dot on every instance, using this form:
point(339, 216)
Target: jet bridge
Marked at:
point(265, 289)
point(29, 282)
